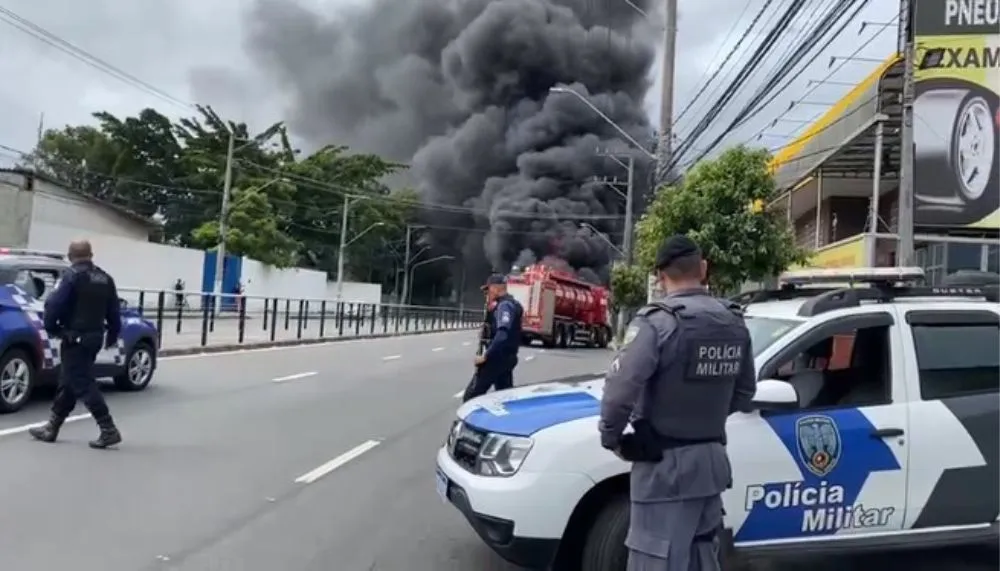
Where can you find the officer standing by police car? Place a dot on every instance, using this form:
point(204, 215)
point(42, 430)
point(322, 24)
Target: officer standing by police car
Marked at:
point(685, 365)
point(495, 366)
point(77, 311)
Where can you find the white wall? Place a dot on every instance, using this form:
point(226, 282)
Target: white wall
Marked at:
point(149, 266)
point(55, 206)
point(134, 264)
point(122, 248)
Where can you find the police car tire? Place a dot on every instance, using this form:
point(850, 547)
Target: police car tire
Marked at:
point(7, 357)
point(122, 381)
point(604, 547)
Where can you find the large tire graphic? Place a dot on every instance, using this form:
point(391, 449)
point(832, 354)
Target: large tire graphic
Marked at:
point(956, 160)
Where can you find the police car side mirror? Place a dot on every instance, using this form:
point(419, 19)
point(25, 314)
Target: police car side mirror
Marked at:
point(774, 395)
point(122, 303)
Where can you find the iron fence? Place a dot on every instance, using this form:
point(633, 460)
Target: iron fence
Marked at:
point(195, 319)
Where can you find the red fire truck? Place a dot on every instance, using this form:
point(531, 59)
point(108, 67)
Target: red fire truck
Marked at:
point(560, 309)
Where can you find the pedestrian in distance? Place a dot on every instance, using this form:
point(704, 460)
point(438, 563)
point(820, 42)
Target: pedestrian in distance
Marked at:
point(685, 365)
point(84, 313)
point(502, 337)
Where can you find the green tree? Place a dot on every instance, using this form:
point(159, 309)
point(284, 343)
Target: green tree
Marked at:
point(284, 209)
point(252, 229)
point(628, 286)
point(324, 180)
point(720, 205)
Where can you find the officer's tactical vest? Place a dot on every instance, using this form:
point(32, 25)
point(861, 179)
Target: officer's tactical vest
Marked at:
point(514, 340)
point(690, 397)
point(87, 310)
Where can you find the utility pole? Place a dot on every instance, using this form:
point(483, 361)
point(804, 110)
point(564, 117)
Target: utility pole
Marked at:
point(905, 245)
point(664, 150)
point(406, 263)
point(629, 165)
point(343, 248)
point(220, 251)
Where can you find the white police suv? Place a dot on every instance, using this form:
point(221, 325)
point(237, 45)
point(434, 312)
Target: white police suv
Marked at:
point(877, 426)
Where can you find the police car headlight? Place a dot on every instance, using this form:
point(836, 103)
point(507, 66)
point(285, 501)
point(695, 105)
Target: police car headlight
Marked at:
point(503, 455)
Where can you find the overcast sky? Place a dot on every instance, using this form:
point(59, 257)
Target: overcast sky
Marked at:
point(192, 50)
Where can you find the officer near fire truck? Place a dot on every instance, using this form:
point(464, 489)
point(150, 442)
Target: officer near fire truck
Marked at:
point(501, 339)
point(685, 365)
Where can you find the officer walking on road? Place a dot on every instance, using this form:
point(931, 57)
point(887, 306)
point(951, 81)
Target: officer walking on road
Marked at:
point(685, 365)
point(77, 311)
point(495, 366)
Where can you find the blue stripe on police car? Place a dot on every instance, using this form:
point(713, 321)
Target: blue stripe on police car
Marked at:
point(526, 416)
point(835, 453)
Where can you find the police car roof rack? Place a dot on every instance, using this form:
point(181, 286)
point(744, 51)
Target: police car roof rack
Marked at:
point(854, 297)
point(783, 293)
point(28, 252)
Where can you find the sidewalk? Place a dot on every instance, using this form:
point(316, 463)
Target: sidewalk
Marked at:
point(225, 334)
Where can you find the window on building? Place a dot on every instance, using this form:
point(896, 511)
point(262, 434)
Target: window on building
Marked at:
point(957, 359)
point(964, 257)
point(993, 259)
point(930, 257)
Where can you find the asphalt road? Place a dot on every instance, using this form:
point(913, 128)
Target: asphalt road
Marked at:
point(206, 477)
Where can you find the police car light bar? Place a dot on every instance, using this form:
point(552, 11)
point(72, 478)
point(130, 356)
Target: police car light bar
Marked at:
point(26, 252)
point(851, 275)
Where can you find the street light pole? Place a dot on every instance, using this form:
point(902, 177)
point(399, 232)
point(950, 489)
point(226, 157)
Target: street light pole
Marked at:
point(604, 116)
point(227, 184)
point(343, 247)
point(418, 264)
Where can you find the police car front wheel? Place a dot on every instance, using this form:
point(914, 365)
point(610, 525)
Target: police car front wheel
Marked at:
point(139, 366)
point(604, 549)
point(17, 380)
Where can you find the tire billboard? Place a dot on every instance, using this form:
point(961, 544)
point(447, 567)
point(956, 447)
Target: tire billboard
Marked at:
point(956, 113)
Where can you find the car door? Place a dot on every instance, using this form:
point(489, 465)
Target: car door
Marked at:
point(832, 469)
point(955, 460)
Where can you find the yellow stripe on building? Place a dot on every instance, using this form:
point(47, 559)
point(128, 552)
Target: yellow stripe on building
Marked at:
point(834, 114)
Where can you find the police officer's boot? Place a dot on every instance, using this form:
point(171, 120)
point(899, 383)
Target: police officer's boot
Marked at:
point(109, 434)
point(49, 431)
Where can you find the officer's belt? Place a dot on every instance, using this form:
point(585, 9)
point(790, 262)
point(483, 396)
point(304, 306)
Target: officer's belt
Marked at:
point(669, 443)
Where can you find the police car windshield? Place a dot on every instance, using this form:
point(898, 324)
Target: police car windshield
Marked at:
point(766, 330)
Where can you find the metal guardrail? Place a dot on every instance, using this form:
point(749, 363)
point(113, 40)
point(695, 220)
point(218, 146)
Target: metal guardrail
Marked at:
point(188, 320)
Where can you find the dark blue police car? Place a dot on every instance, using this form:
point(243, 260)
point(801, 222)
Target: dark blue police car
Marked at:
point(30, 358)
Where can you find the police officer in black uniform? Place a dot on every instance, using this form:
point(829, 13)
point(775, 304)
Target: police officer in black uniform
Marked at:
point(686, 364)
point(77, 312)
point(495, 366)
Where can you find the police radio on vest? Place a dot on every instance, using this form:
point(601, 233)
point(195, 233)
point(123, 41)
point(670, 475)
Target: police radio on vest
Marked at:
point(851, 275)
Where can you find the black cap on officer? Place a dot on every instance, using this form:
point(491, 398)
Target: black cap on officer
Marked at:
point(674, 248)
point(495, 279)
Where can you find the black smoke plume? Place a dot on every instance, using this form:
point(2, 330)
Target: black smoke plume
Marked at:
point(459, 90)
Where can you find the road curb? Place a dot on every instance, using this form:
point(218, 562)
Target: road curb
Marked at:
point(225, 347)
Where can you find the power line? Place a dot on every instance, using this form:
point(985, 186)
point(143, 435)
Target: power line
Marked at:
point(319, 186)
point(28, 27)
point(724, 60)
point(747, 112)
point(736, 85)
point(731, 63)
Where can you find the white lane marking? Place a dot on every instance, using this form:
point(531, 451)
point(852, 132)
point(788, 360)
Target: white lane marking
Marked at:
point(459, 394)
point(529, 358)
point(294, 377)
point(27, 427)
point(541, 350)
point(392, 357)
point(436, 349)
point(303, 346)
point(323, 470)
point(466, 343)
